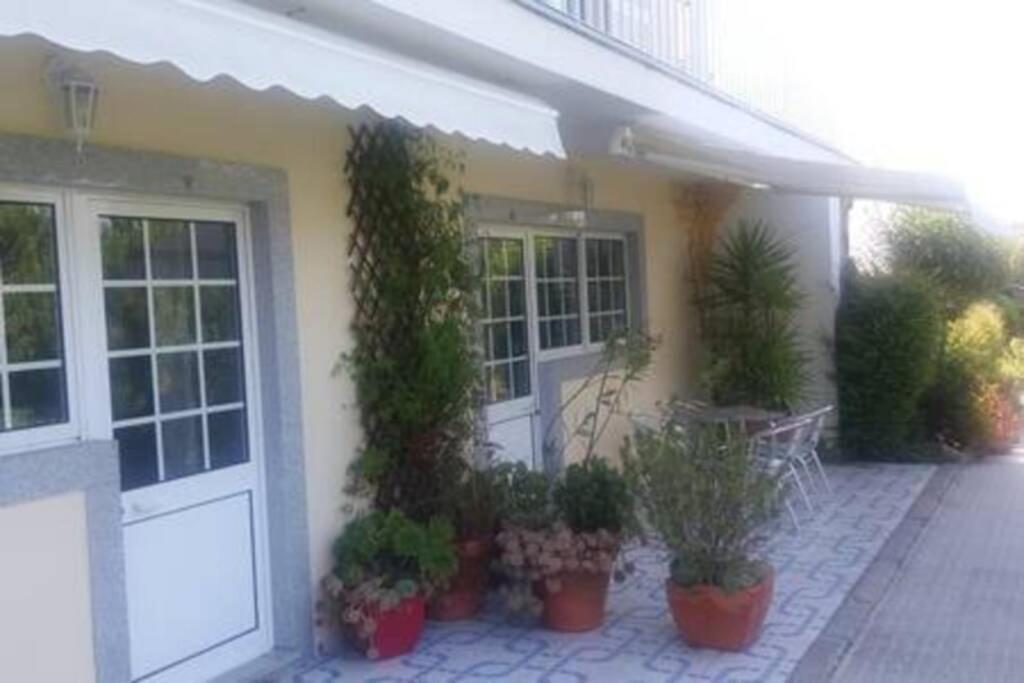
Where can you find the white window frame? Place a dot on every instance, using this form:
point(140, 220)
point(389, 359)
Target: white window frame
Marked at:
point(45, 436)
point(586, 346)
point(626, 275)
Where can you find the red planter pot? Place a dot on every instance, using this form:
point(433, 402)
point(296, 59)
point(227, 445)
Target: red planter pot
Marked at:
point(398, 629)
point(709, 617)
point(465, 594)
point(579, 605)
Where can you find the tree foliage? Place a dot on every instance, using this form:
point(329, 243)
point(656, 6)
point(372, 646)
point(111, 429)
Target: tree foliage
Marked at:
point(752, 299)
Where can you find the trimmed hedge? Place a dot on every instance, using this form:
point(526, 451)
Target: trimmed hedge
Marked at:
point(889, 331)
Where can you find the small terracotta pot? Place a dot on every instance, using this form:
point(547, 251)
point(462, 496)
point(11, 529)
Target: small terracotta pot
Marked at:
point(709, 617)
point(398, 629)
point(579, 605)
point(465, 594)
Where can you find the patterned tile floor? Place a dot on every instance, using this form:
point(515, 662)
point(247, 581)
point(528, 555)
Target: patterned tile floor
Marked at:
point(815, 570)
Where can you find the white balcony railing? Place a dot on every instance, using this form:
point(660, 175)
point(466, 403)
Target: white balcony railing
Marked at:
point(737, 47)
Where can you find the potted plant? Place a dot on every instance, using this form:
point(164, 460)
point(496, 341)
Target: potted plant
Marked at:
point(560, 539)
point(709, 499)
point(472, 500)
point(385, 567)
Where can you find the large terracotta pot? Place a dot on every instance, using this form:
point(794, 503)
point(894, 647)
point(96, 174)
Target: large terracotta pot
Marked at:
point(398, 629)
point(709, 617)
point(465, 594)
point(579, 604)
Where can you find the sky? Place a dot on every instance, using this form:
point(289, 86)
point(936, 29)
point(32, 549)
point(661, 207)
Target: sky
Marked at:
point(931, 85)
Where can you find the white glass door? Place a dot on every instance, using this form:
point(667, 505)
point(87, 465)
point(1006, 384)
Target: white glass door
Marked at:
point(180, 382)
point(509, 372)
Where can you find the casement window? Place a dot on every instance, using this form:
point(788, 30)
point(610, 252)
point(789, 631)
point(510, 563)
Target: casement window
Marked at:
point(559, 293)
point(607, 288)
point(34, 405)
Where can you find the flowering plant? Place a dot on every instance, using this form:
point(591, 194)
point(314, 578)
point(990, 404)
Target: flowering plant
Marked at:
point(381, 559)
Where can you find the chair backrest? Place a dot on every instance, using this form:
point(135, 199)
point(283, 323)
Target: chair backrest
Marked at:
point(784, 440)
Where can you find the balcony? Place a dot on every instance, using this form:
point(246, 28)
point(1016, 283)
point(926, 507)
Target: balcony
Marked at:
point(735, 48)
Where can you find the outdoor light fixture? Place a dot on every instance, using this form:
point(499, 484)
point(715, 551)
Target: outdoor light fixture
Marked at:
point(76, 93)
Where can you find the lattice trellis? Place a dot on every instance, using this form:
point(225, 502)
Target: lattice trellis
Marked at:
point(405, 223)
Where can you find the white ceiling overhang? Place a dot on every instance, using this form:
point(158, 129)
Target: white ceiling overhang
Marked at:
point(211, 38)
point(784, 173)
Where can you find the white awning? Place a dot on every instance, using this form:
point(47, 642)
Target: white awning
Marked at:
point(787, 174)
point(211, 38)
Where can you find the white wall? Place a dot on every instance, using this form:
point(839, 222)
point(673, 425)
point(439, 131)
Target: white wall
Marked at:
point(813, 226)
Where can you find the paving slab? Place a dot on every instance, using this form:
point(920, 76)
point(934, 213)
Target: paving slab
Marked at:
point(955, 610)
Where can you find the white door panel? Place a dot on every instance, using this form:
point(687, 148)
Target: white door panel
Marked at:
point(190, 573)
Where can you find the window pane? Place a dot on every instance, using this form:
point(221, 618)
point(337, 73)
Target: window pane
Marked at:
point(223, 372)
point(514, 257)
point(32, 327)
point(183, 447)
point(592, 260)
point(137, 448)
point(499, 300)
point(496, 262)
point(521, 375)
point(123, 249)
point(228, 438)
point(170, 250)
point(618, 259)
point(498, 383)
point(175, 320)
point(557, 332)
point(178, 374)
point(572, 332)
point(219, 310)
point(519, 343)
point(517, 298)
point(28, 252)
point(570, 259)
point(131, 387)
point(127, 318)
point(37, 398)
point(215, 245)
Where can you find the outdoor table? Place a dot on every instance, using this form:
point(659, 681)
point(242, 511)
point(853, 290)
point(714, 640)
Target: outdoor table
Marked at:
point(748, 418)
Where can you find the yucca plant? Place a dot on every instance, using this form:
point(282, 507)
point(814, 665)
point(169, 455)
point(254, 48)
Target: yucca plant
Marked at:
point(756, 358)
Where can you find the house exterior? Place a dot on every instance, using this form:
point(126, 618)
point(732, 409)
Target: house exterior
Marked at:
point(174, 283)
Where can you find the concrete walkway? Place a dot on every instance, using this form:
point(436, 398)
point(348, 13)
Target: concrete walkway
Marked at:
point(955, 610)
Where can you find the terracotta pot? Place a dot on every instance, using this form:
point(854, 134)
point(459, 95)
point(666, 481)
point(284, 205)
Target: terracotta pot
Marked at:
point(398, 629)
point(579, 605)
point(709, 617)
point(465, 594)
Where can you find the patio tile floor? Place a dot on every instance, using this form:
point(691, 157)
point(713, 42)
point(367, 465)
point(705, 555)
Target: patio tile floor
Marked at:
point(815, 570)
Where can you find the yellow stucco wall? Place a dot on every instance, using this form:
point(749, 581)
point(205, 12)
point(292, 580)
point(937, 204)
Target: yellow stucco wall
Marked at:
point(157, 109)
point(45, 616)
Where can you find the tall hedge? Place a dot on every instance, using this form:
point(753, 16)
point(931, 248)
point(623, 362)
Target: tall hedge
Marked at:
point(888, 334)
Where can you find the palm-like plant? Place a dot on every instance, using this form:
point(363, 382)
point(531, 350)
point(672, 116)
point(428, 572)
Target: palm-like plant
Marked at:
point(753, 296)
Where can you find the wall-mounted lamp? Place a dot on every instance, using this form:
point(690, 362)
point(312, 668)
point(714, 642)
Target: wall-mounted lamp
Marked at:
point(76, 93)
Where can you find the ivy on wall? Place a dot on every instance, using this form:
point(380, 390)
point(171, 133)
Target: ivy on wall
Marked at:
point(415, 362)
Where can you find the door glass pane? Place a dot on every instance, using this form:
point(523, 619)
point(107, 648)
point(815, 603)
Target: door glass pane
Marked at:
point(505, 322)
point(557, 280)
point(140, 464)
point(32, 371)
point(123, 244)
point(184, 433)
point(127, 318)
point(227, 438)
point(183, 447)
point(219, 306)
point(175, 315)
point(170, 250)
point(178, 375)
point(131, 387)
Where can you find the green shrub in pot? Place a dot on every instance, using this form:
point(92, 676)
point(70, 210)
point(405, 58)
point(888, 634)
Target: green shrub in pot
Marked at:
point(710, 501)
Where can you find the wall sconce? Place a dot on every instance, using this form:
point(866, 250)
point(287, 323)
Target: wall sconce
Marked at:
point(75, 93)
